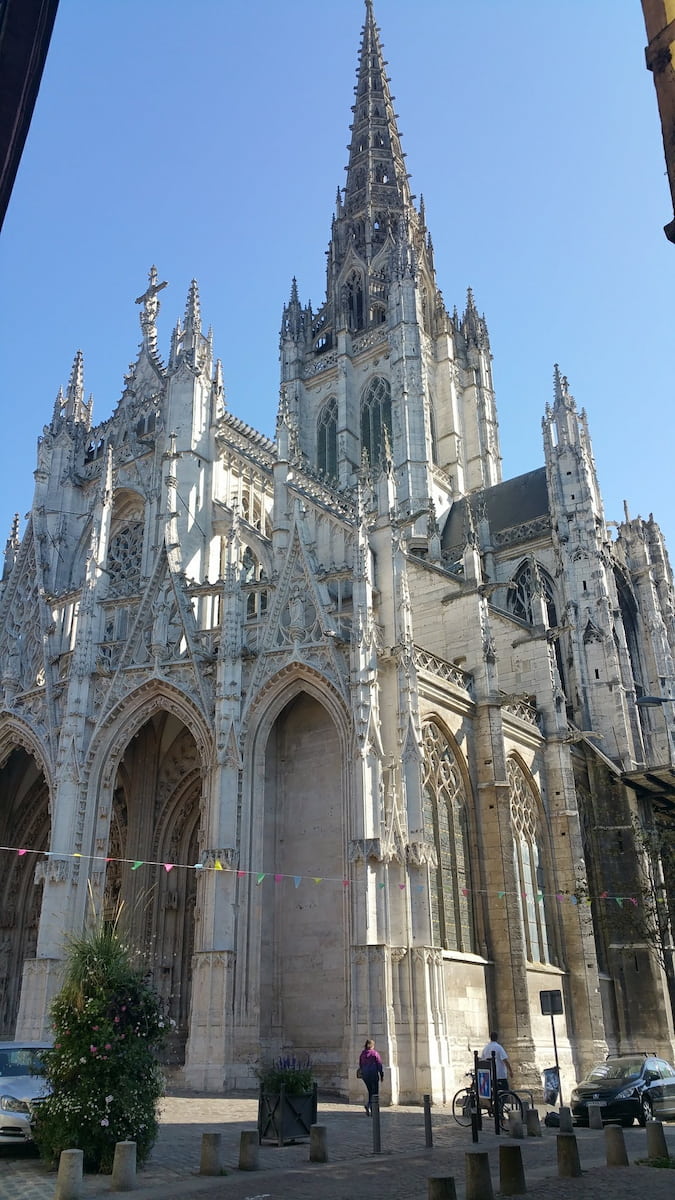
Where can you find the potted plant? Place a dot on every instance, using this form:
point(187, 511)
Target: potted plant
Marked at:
point(287, 1101)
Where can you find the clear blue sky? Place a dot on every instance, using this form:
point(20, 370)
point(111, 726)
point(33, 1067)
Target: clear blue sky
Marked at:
point(210, 138)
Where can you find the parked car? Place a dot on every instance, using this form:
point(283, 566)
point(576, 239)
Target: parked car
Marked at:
point(22, 1086)
point(629, 1087)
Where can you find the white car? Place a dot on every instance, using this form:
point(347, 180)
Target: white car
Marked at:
point(22, 1086)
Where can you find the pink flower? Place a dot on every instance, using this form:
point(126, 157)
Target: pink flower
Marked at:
point(92, 1049)
point(117, 1020)
point(108, 1046)
point(95, 1028)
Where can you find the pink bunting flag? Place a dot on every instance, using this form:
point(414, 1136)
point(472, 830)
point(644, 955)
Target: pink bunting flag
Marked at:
point(465, 891)
point(240, 874)
point(168, 867)
point(402, 886)
point(20, 852)
point(278, 878)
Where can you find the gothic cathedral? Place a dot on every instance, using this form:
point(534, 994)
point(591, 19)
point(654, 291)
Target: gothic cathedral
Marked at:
point(350, 724)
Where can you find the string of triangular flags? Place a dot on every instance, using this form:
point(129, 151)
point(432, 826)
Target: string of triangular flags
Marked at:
point(278, 877)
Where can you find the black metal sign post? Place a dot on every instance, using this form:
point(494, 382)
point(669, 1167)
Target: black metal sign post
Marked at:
point(552, 1006)
point(476, 1122)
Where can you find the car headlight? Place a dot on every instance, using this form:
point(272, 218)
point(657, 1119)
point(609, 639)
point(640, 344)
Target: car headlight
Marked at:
point(627, 1093)
point(11, 1104)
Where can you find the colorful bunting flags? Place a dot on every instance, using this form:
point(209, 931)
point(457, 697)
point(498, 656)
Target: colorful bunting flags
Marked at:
point(297, 880)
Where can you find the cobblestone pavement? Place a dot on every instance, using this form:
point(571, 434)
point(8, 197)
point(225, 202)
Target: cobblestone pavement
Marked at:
point(399, 1172)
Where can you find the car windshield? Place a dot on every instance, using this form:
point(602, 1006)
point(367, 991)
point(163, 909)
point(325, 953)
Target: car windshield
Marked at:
point(616, 1068)
point(21, 1061)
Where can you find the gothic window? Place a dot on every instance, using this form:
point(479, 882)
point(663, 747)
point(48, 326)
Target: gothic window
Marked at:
point(253, 577)
point(526, 586)
point(529, 869)
point(445, 825)
point(326, 439)
point(375, 418)
point(124, 558)
point(353, 297)
point(630, 617)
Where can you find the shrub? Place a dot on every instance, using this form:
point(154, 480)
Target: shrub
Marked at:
point(106, 1083)
point(294, 1074)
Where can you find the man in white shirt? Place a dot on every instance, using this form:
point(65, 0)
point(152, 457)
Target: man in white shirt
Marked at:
point(502, 1064)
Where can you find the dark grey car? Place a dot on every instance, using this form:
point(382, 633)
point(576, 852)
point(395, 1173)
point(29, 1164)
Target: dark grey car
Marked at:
point(628, 1087)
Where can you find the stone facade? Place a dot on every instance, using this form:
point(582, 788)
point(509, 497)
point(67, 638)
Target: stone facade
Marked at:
point(345, 721)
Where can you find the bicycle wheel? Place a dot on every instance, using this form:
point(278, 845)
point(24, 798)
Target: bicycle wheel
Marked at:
point(508, 1103)
point(461, 1106)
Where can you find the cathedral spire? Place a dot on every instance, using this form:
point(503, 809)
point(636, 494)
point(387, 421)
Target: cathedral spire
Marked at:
point(376, 176)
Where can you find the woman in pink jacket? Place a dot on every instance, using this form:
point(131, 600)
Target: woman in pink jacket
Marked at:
point(372, 1071)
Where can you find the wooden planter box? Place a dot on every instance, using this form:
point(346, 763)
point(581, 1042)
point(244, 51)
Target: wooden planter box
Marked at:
point(284, 1117)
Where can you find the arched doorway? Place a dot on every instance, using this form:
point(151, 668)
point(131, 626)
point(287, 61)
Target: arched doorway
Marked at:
point(24, 824)
point(155, 820)
point(303, 976)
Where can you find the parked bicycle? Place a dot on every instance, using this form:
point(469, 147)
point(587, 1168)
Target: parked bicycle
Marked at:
point(467, 1100)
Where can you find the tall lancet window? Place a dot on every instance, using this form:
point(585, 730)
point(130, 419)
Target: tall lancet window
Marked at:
point(526, 581)
point(445, 826)
point(354, 302)
point(375, 418)
point(326, 439)
point(529, 870)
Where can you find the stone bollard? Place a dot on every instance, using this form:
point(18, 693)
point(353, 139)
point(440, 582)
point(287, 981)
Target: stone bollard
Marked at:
point(249, 1147)
point(515, 1125)
point(615, 1146)
point(569, 1166)
point(318, 1150)
point(595, 1116)
point(69, 1178)
point(210, 1162)
point(533, 1123)
point(566, 1125)
point(441, 1187)
point(656, 1140)
point(511, 1173)
point(478, 1178)
point(124, 1167)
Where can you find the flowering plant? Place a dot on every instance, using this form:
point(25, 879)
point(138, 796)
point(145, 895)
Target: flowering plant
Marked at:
point(287, 1071)
point(108, 1022)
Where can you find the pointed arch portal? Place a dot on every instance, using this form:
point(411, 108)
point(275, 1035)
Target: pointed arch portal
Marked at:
point(24, 822)
point(303, 989)
point(155, 818)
